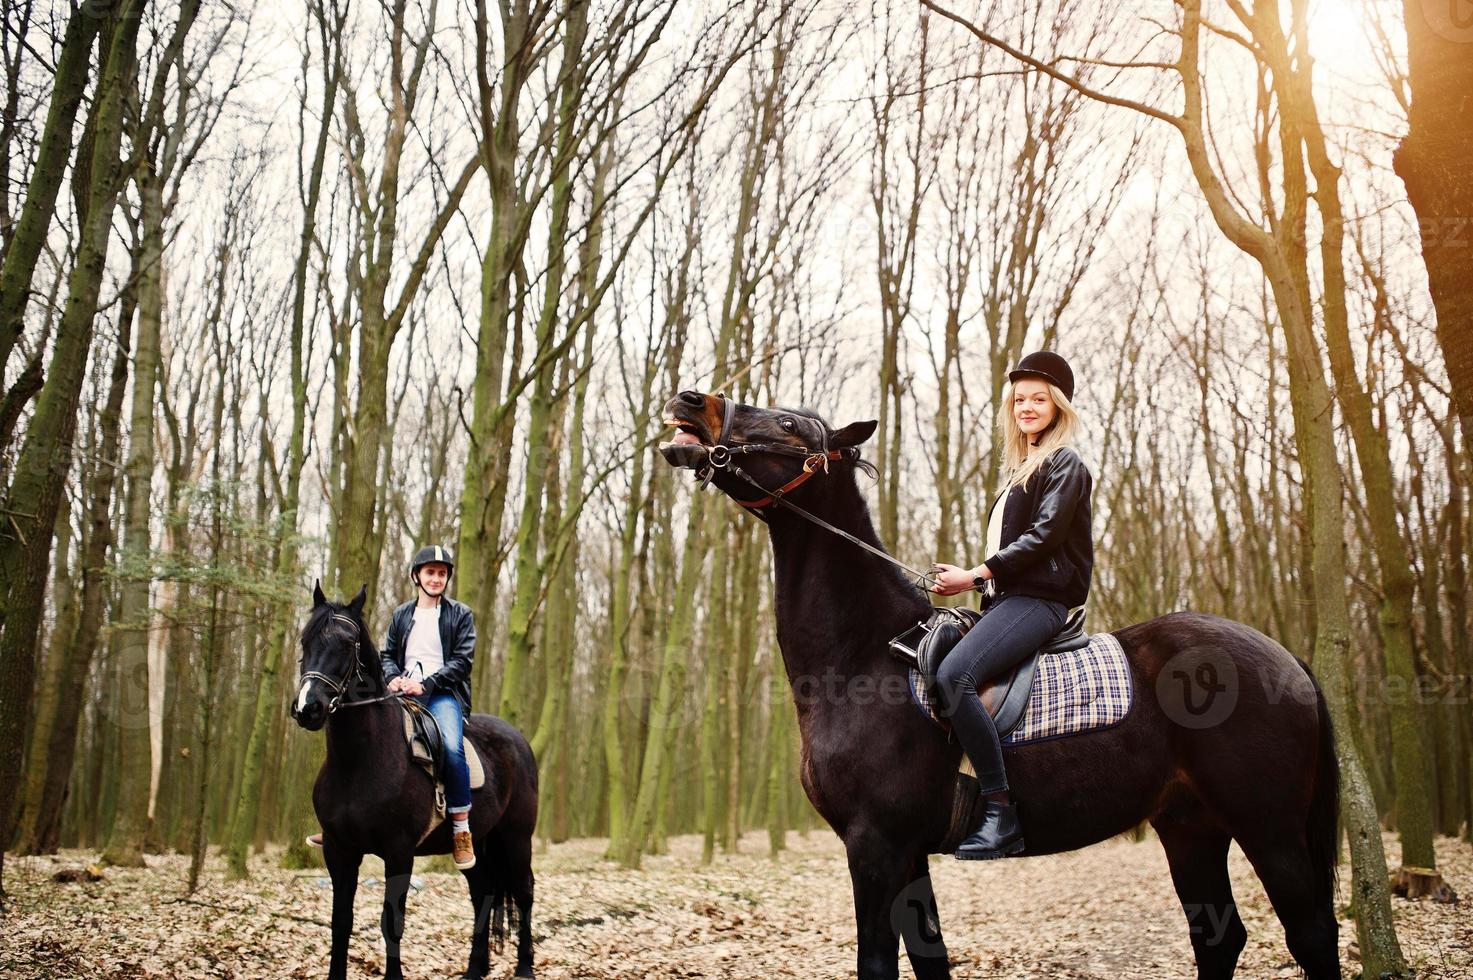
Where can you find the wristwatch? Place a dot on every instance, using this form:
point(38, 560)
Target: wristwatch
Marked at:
point(979, 583)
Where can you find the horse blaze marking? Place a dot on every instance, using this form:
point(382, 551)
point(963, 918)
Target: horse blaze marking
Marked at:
point(302, 695)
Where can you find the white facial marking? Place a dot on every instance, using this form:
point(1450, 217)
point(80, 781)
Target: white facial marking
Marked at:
point(302, 695)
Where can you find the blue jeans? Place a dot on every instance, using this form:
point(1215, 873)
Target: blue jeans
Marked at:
point(1013, 628)
point(446, 711)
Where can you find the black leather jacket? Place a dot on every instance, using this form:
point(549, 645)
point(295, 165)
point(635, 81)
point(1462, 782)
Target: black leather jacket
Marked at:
point(457, 640)
point(1046, 547)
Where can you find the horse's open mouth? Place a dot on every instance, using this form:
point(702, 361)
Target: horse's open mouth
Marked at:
point(686, 433)
point(687, 449)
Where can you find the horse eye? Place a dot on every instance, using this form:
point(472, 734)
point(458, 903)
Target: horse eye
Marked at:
point(789, 424)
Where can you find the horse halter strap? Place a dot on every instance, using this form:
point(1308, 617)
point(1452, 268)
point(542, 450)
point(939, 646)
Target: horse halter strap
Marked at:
point(341, 685)
point(722, 456)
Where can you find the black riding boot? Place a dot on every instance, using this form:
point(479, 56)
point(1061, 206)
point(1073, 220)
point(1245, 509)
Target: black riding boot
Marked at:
point(998, 836)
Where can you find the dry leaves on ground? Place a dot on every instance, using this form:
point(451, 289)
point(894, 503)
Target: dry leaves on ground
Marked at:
point(1107, 911)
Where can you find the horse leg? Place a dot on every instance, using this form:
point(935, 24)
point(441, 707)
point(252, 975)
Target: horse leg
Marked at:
point(1308, 915)
point(342, 866)
point(920, 925)
point(397, 871)
point(521, 884)
point(483, 894)
point(1198, 858)
point(878, 869)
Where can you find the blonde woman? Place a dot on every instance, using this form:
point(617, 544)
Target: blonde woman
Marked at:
point(1040, 556)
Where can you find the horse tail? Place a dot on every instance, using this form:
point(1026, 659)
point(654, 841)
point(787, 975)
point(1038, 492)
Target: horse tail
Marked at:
point(499, 893)
point(1322, 826)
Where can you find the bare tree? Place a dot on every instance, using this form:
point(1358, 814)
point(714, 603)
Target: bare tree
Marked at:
point(35, 490)
point(1282, 254)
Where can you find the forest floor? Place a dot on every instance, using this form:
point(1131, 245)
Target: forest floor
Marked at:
point(1107, 911)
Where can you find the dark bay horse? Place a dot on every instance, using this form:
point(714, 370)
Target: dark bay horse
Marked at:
point(372, 799)
point(1228, 737)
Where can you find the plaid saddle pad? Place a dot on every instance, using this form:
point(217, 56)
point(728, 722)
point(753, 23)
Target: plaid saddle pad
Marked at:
point(1079, 691)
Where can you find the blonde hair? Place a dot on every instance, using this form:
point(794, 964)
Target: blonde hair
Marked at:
point(1018, 464)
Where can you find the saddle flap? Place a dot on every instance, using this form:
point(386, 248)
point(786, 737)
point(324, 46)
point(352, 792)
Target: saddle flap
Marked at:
point(425, 746)
point(422, 735)
point(473, 763)
point(1005, 697)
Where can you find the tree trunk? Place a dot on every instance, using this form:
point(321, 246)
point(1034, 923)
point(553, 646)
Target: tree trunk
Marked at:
point(1294, 86)
point(267, 702)
point(665, 711)
point(1432, 161)
point(39, 820)
point(487, 471)
point(55, 765)
point(24, 248)
point(125, 842)
point(45, 458)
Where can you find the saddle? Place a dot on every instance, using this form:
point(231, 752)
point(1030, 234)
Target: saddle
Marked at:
point(427, 749)
point(925, 645)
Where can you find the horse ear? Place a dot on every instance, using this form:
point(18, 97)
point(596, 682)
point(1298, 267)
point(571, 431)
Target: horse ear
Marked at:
point(318, 599)
point(358, 600)
point(853, 434)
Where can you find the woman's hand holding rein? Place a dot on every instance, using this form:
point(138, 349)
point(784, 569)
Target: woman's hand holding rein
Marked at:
point(953, 580)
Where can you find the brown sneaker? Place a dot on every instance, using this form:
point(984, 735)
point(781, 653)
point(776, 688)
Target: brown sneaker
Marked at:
point(463, 851)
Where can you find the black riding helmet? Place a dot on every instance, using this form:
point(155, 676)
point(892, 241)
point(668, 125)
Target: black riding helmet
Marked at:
point(436, 553)
point(1049, 366)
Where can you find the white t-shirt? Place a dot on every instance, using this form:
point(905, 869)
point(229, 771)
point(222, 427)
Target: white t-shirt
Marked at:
point(994, 533)
point(422, 652)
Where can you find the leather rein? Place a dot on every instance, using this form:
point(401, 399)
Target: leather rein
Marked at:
point(723, 455)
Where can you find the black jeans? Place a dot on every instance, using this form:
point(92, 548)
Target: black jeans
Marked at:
point(1013, 628)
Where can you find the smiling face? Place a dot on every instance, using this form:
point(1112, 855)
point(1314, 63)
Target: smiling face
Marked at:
point(433, 577)
point(1033, 407)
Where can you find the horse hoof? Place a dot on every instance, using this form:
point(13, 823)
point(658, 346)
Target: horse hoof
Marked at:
point(525, 973)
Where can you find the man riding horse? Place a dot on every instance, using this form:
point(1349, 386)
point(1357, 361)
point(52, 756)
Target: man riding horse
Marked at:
point(427, 656)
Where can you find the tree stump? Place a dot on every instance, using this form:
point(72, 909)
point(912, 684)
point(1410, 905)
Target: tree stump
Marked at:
point(1413, 883)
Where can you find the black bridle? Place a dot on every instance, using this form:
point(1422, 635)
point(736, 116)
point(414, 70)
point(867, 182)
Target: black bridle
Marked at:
point(723, 454)
point(342, 685)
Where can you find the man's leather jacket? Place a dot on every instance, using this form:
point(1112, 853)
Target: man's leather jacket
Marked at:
point(1046, 547)
point(457, 641)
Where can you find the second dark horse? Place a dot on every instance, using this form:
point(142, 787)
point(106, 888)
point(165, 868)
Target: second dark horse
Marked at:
point(1262, 772)
point(371, 798)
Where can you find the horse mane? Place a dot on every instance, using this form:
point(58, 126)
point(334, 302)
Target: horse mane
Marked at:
point(868, 468)
point(317, 621)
